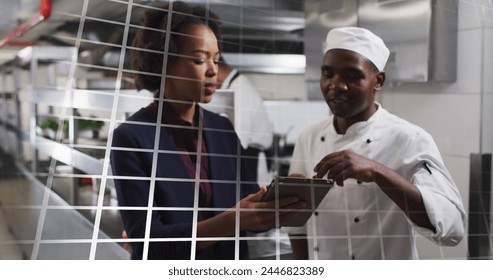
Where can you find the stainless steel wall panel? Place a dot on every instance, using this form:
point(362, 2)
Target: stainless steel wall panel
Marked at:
point(405, 28)
point(421, 35)
point(443, 46)
point(267, 63)
point(321, 16)
point(479, 233)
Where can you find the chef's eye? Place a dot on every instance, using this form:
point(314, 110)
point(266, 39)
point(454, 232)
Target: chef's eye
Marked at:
point(353, 75)
point(327, 73)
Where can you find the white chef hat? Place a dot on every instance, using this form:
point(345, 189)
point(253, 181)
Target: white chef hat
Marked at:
point(359, 40)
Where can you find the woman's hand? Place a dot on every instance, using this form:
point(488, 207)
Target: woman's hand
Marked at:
point(258, 215)
point(254, 215)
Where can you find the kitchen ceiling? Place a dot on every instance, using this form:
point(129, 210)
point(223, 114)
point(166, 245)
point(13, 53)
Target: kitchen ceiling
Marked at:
point(253, 26)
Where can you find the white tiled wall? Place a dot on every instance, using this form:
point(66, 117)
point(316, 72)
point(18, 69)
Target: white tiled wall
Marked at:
point(452, 119)
point(459, 114)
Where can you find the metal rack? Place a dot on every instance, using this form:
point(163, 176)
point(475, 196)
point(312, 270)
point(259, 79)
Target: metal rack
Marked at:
point(39, 83)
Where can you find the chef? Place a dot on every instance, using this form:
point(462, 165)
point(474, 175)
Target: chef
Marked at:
point(393, 182)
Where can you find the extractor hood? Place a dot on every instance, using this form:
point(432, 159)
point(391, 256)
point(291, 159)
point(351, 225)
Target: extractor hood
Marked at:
point(255, 26)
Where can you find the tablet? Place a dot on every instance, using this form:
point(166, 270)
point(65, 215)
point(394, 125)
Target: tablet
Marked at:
point(310, 190)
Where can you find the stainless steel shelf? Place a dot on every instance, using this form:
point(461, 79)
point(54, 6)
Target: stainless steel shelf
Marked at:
point(46, 54)
point(71, 157)
point(69, 208)
point(128, 101)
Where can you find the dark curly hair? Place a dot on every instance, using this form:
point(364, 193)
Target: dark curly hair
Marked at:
point(182, 15)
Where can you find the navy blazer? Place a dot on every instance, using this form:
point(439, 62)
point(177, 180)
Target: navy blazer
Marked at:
point(173, 186)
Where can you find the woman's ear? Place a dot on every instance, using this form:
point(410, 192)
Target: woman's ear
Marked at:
point(380, 81)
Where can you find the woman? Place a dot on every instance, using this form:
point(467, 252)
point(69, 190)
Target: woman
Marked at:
point(189, 167)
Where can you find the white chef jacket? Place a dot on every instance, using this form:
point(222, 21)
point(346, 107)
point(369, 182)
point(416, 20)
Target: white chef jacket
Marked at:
point(254, 129)
point(251, 121)
point(358, 220)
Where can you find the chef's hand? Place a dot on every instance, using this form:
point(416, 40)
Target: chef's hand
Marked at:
point(346, 164)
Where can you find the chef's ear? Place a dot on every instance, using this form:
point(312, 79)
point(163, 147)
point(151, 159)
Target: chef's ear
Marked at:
point(380, 80)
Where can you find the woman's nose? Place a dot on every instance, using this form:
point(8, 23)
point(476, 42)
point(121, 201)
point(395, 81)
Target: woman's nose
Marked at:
point(212, 68)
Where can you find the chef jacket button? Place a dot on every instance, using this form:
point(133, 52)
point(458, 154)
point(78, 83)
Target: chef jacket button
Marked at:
point(315, 249)
point(316, 213)
point(359, 182)
point(353, 257)
point(356, 220)
point(322, 138)
point(368, 140)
